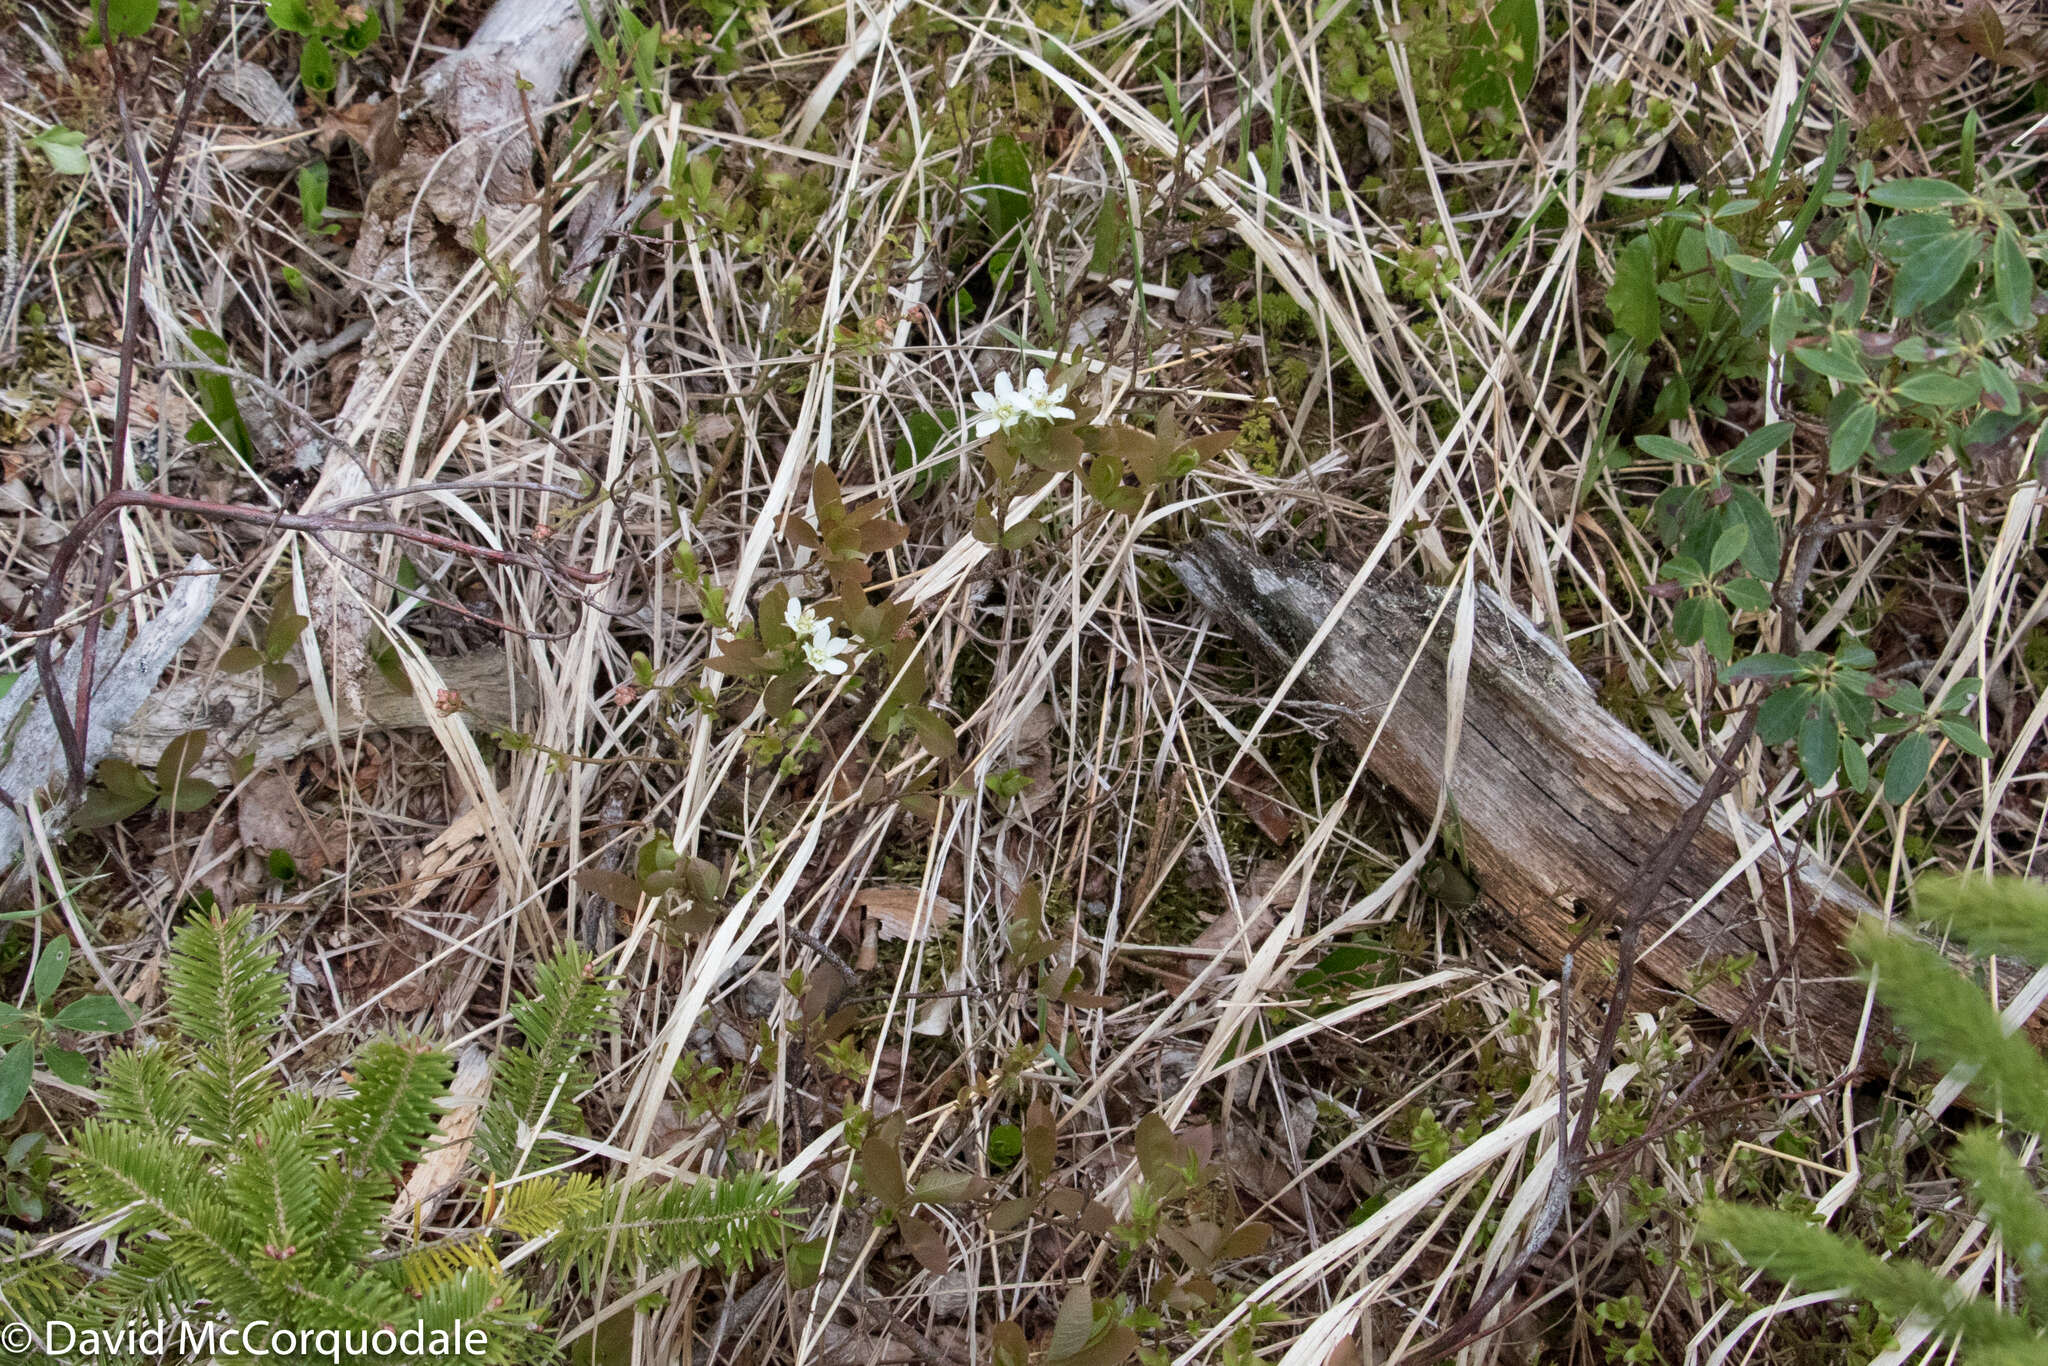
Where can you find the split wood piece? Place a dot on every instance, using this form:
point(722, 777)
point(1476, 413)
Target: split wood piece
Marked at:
point(463, 167)
point(242, 711)
point(1557, 803)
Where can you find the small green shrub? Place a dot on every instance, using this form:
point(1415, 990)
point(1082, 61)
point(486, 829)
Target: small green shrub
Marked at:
point(1953, 1024)
point(232, 1199)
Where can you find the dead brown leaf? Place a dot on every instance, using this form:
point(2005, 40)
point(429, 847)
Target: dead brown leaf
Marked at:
point(1261, 888)
point(905, 912)
point(372, 127)
point(1259, 797)
point(270, 816)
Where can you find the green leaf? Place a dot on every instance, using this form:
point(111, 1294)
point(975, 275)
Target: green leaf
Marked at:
point(1009, 1345)
point(1998, 383)
point(1855, 768)
point(291, 15)
point(1851, 436)
point(1159, 1152)
point(64, 148)
point(1777, 720)
point(282, 679)
point(1686, 570)
point(1825, 361)
point(1665, 448)
point(1751, 450)
point(1820, 741)
point(102, 807)
point(281, 633)
point(2012, 276)
point(1751, 266)
point(1788, 319)
point(1932, 270)
point(240, 660)
point(932, 732)
point(316, 67)
point(1760, 556)
point(1632, 298)
point(1005, 1146)
point(1936, 389)
point(1907, 767)
point(1112, 234)
point(189, 795)
point(17, 1072)
point(96, 1015)
point(68, 1066)
point(130, 18)
point(1751, 595)
point(365, 31)
point(1005, 188)
point(1717, 632)
point(180, 757)
point(50, 969)
point(1074, 1326)
point(1762, 666)
point(1965, 737)
point(313, 200)
point(1909, 446)
point(1728, 547)
point(1918, 194)
point(1518, 35)
point(1688, 621)
point(120, 776)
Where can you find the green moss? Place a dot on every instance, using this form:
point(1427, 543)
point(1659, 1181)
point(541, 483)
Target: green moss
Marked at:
point(1258, 444)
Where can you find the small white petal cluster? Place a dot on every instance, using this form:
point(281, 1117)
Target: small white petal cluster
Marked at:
point(1009, 405)
point(822, 650)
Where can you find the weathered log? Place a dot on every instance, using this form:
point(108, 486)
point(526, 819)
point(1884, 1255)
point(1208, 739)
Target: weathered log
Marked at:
point(1557, 803)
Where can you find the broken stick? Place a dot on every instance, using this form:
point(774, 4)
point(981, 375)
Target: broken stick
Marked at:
point(1557, 803)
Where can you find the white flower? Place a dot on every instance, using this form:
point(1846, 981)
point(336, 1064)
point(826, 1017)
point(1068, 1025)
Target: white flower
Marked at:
point(1009, 405)
point(822, 649)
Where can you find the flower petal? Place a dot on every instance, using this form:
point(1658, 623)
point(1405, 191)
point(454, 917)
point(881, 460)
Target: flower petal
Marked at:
point(1006, 392)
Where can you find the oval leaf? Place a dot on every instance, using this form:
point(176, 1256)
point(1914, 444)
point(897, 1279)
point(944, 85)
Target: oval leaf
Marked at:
point(1907, 768)
point(50, 969)
point(17, 1070)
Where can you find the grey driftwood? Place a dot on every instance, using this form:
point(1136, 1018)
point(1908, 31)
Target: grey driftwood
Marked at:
point(32, 760)
point(1557, 803)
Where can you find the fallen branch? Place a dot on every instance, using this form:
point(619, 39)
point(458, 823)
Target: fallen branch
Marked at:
point(1560, 809)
